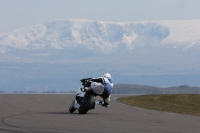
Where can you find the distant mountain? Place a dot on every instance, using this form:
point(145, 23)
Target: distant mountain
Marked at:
point(2, 92)
point(144, 89)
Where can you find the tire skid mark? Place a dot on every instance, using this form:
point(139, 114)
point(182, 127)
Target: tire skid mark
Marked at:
point(17, 108)
point(9, 125)
point(17, 129)
point(7, 130)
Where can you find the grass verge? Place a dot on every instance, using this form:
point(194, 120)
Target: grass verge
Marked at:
point(179, 103)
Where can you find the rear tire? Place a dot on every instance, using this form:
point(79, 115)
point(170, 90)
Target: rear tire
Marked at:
point(71, 108)
point(83, 109)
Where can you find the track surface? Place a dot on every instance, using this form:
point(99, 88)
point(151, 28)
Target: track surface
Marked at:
point(48, 113)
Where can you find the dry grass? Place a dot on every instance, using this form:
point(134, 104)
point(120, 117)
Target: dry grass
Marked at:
point(183, 104)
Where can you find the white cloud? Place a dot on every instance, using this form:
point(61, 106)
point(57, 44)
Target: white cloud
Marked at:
point(190, 45)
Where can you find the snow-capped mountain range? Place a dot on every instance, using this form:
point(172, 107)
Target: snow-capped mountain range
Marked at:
point(102, 36)
point(56, 54)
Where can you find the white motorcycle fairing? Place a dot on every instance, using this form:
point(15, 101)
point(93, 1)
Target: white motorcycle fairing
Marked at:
point(81, 94)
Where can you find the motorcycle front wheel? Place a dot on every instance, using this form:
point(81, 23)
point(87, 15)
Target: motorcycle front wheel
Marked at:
point(71, 108)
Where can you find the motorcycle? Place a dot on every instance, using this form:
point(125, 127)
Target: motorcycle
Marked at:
point(85, 99)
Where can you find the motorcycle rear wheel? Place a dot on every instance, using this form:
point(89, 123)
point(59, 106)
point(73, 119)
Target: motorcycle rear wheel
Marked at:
point(89, 103)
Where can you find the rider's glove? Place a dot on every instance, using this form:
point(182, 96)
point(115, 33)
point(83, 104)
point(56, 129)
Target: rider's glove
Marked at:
point(104, 104)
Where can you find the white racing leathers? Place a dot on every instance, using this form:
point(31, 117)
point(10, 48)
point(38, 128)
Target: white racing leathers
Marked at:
point(103, 90)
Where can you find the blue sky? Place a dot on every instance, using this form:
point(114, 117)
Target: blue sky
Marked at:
point(23, 13)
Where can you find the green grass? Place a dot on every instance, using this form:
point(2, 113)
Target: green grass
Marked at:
point(180, 103)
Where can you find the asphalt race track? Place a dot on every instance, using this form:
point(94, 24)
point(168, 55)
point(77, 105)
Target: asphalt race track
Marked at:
point(48, 113)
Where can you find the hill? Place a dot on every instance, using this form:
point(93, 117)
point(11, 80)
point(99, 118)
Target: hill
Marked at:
point(143, 89)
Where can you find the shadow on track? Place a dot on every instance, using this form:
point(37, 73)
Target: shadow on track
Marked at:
point(60, 113)
point(65, 113)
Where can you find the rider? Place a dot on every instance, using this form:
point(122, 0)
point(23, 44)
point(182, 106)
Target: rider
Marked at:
point(107, 82)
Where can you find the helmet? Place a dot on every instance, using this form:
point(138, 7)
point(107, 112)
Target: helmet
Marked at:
point(106, 75)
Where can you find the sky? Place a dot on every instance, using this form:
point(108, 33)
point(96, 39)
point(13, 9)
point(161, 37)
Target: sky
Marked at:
point(15, 14)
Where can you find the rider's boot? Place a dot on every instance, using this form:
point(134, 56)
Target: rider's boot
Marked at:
point(96, 103)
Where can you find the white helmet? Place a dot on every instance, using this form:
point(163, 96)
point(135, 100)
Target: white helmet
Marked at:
point(106, 75)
